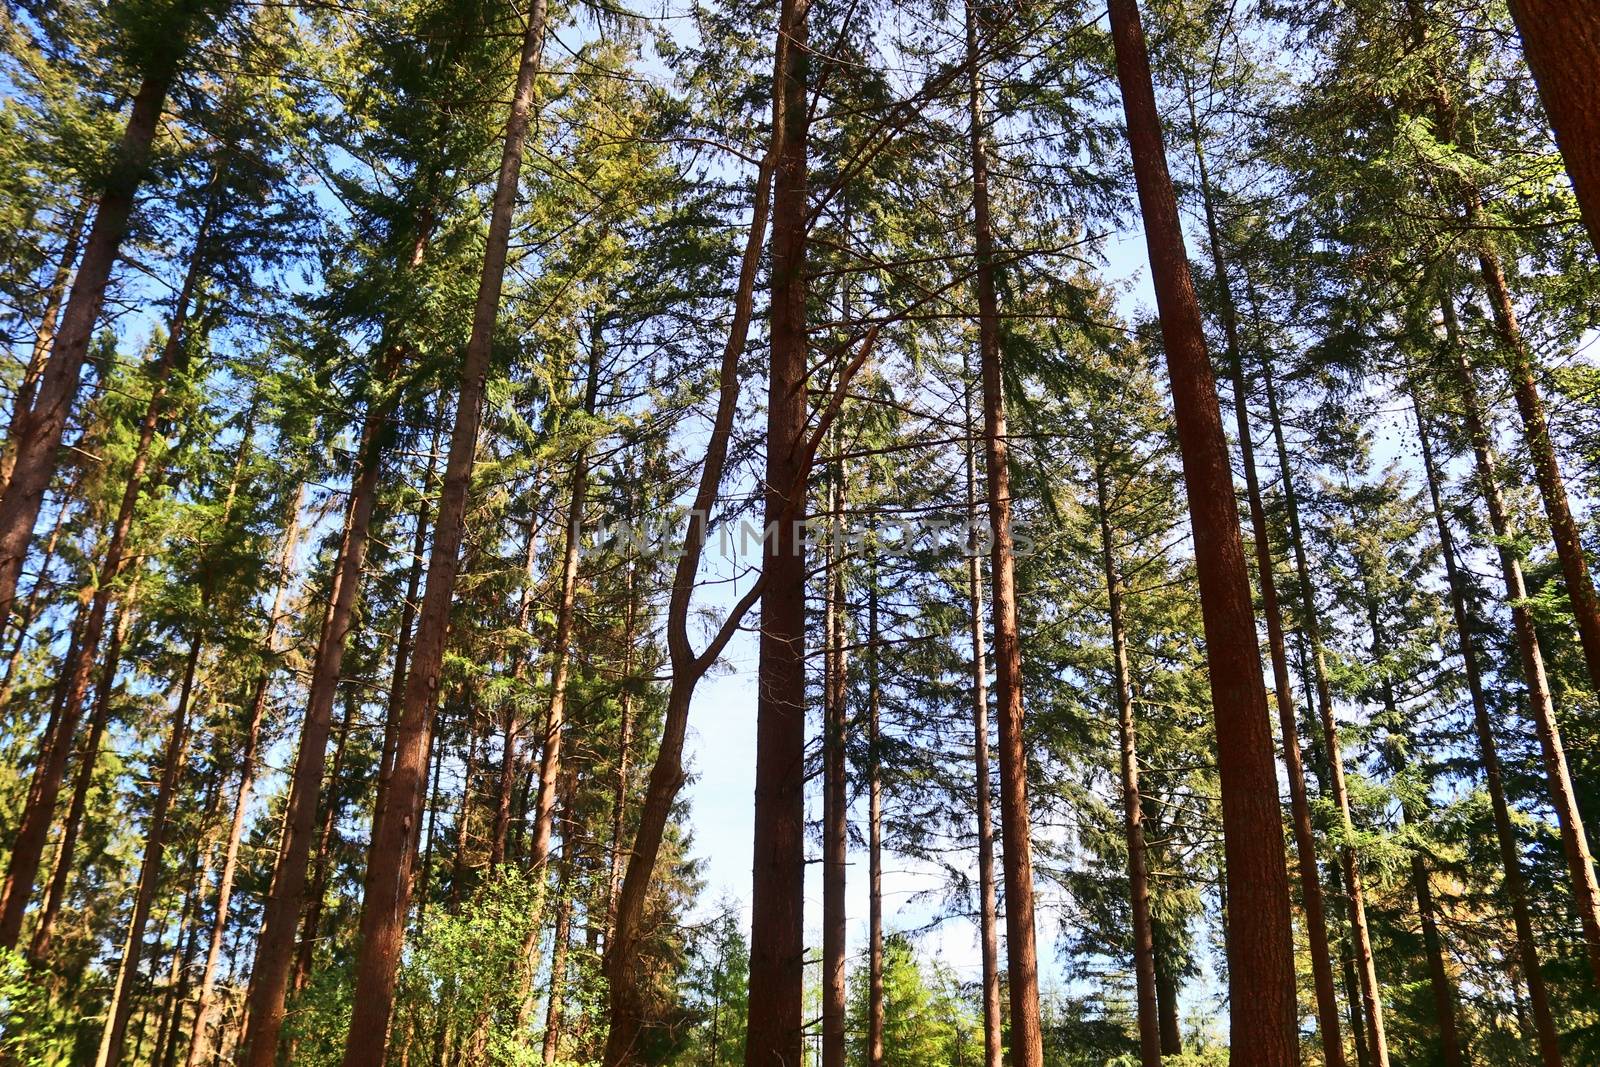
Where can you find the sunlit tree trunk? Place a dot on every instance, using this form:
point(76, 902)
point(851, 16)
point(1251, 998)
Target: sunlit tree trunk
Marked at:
point(174, 757)
point(88, 759)
point(988, 909)
point(274, 960)
point(835, 811)
point(1547, 473)
point(78, 668)
point(1022, 971)
point(1288, 718)
point(1483, 726)
point(1561, 39)
point(1376, 1042)
point(1574, 841)
point(875, 1008)
point(566, 609)
point(388, 889)
point(200, 1043)
point(1259, 937)
point(43, 340)
point(1144, 950)
point(773, 1035)
point(37, 434)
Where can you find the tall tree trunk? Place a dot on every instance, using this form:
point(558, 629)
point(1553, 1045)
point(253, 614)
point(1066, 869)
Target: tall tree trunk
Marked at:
point(200, 1044)
point(1561, 39)
point(619, 795)
point(78, 669)
point(625, 1001)
point(562, 935)
point(88, 759)
point(875, 1014)
point(1259, 938)
point(1547, 472)
point(1489, 757)
point(1350, 864)
point(270, 976)
point(1166, 994)
point(1288, 718)
point(388, 892)
point(402, 655)
point(835, 799)
point(37, 435)
point(173, 760)
point(43, 340)
point(1022, 972)
point(774, 1031)
point(566, 610)
point(988, 912)
point(322, 866)
point(1144, 949)
point(1574, 841)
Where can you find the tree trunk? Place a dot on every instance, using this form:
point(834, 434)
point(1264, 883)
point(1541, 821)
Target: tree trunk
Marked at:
point(1574, 841)
point(88, 759)
point(1027, 1043)
point(120, 1009)
point(875, 1019)
point(388, 892)
point(1547, 472)
point(200, 1044)
point(619, 796)
point(1561, 39)
point(402, 654)
point(78, 668)
point(274, 960)
point(37, 434)
point(624, 998)
point(22, 403)
point(835, 799)
point(988, 912)
point(1504, 829)
point(1166, 998)
point(566, 610)
point(322, 867)
point(1288, 718)
point(1260, 944)
point(774, 1033)
point(1355, 894)
point(562, 935)
point(1144, 949)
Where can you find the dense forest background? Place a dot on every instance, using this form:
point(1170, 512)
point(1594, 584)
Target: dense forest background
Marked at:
point(1119, 482)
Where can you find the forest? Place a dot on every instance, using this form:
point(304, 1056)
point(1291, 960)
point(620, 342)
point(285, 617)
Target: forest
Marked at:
point(879, 532)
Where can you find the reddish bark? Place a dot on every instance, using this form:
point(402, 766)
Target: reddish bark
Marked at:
point(835, 799)
point(1144, 948)
point(1263, 1012)
point(1541, 705)
point(37, 435)
point(270, 975)
point(1561, 39)
point(1483, 726)
point(774, 1030)
point(1288, 718)
point(988, 910)
point(1546, 469)
point(1022, 970)
point(173, 760)
point(389, 876)
point(78, 668)
point(875, 1016)
point(566, 610)
point(88, 758)
point(43, 341)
